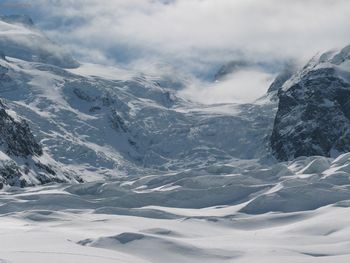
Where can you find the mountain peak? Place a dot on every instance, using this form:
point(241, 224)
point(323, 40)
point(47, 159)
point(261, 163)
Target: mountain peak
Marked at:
point(313, 116)
point(22, 40)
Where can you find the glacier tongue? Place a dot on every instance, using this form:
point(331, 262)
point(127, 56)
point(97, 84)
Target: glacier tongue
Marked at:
point(106, 127)
point(103, 122)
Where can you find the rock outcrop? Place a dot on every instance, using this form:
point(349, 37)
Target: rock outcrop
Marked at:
point(22, 159)
point(16, 137)
point(313, 116)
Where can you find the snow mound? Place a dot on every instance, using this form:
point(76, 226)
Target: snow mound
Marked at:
point(267, 213)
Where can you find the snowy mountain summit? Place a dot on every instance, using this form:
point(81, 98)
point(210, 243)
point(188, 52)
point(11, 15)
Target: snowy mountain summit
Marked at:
point(101, 122)
point(93, 122)
point(313, 116)
point(20, 38)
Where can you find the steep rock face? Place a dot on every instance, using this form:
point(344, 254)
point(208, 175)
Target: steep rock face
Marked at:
point(22, 159)
point(16, 136)
point(288, 71)
point(313, 116)
point(16, 141)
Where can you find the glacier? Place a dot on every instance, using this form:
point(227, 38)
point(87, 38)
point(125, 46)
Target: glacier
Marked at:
point(131, 171)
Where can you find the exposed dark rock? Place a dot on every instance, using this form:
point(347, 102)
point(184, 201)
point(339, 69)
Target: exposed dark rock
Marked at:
point(286, 74)
point(6, 82)
point(45, 179)
point(83, 95)
point(313, 116)
point(107, 101)
point(230, 68)
point(20, 155)
point(10, 175)
point(117, 122)
point(46, 168)
point(94, 109)
point(2, 55)
point(16, 136)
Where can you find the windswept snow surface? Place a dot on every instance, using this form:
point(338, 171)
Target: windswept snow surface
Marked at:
point(240, 212)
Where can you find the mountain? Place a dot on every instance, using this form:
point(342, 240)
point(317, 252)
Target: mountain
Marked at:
point(125, 169)
point(288, 70)
point(23, 162)
point(22, 159)
point(19, 38)
point(313, 116)
point(111, 126)
point(102, 122)
point(231, 68)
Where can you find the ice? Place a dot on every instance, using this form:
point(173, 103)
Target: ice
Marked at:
point(259, 213)
point(85, 223)
point(165, 179)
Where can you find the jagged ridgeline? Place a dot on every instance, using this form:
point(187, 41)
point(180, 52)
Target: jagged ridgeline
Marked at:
point(16, 137)
point(313, 116)
point(115, 123)
point(24, 41)
point(60, 125)
point(23, 162)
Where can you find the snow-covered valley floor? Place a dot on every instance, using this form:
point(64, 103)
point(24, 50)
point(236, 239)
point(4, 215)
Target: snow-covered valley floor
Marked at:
point(82, 236)
point(299, 214)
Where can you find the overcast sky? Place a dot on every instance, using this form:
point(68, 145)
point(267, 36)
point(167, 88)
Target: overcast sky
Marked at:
point(194, 34)
point(296, 28)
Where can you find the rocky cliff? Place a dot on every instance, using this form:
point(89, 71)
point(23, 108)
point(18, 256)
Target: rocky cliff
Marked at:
point(313, 116)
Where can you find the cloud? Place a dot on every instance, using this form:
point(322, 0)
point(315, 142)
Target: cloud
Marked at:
point(134, 29)
point(197, 36)
point(244, 86)
point(25, 42)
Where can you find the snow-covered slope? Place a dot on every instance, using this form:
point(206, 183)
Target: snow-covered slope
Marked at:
point(129, 122)
point(105, 122)
point(21, 39)
point(22, 159)
point(240, 212)
point(166, 179)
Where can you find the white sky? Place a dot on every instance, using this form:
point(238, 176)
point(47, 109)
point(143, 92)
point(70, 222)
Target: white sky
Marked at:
point(196, 34)
point(184, 27)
